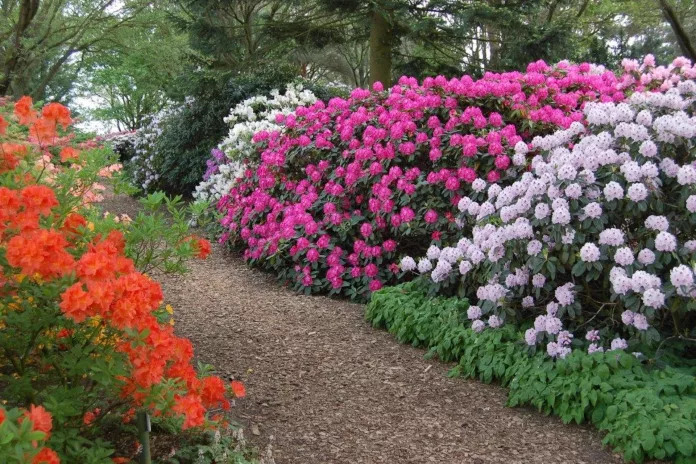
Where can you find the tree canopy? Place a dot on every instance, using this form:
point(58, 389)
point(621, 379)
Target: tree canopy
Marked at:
point(133, 56)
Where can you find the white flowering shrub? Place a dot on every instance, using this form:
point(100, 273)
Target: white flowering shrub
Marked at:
point(237, 151)
point(122, 143)
point(595, 246)
point(143, 168)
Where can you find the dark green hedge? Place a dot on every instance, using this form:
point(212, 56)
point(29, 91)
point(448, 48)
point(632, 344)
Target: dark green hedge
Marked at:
point(188, 136)
point(646, 412)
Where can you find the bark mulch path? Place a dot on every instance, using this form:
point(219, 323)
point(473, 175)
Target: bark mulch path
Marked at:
point(323, 386)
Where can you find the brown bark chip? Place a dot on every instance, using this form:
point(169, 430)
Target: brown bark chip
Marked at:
point(323, 386)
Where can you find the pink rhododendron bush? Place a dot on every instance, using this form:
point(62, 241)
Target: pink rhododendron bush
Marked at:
point(595, 245)
point(345, 188)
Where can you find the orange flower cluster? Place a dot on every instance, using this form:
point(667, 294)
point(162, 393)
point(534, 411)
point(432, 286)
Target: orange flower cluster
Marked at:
point(25, 112)
point(10, 155)
point(46, 456)
point(41, 245)
point(108, 286)
point(203, 248)
point(33, 250)
point(41, 421)
point(69, 153)
point(41, 252)
point(57, 113)
point(200, 245)
point(43, 128)
point(90, 416)
point(166, 356)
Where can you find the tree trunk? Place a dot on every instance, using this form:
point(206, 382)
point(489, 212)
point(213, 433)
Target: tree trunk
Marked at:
point(381, 44)
point(40, 92)
point(684, 41)
point(27, 11)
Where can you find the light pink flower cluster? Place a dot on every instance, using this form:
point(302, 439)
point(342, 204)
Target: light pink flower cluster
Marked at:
point(602, 221)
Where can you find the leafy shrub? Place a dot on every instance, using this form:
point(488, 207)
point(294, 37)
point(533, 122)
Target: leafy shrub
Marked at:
point(143, 168)
point(253, 115)
point(597, 240)
point(123, 144)
point(646, 412)
point(182, 141)
point(347, 187)
point(84, 336)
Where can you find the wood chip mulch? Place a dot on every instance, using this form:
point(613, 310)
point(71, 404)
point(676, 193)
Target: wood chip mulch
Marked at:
point(323, 386)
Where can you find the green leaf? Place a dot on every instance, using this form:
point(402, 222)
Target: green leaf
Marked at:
point(603, 371)
point(578, 268)
point(6, 438)
point(597, 415)
point(647, 440)
point(685, 447)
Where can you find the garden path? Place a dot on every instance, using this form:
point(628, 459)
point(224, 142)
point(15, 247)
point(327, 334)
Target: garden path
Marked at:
point(323, 386)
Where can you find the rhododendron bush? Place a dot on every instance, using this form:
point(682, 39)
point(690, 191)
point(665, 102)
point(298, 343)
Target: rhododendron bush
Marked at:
point(347, 187)
point(595, 246)
point(253, 115)
point(85, 339)
point(143, 167)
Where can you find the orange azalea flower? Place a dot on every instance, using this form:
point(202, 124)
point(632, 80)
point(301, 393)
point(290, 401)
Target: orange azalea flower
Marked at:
point(44, 130)
point(124, 265)
point(41, 420)
point(115, 243)
point(200, 246)
point(185, 372)
point(238, 389)
point(129, 416)
point(95, 266)
point(46, 456)
point(121, 460)
point(25, 221)
point(69, 153)
point(203, 247)
point(19, 149)
point(213, 393)
point(39, 198)
point(10, 154)
point(147, 371)
point(136, 297)
point(3, 415)
point(73, 223)
point(76, 303)
point(191, 408)
point(182, 350)
point(8, 162)
point(90, 416)
point(40, 252)
point(9, 204)
point(58, 113)
point(102, 294)
point(24, 110)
